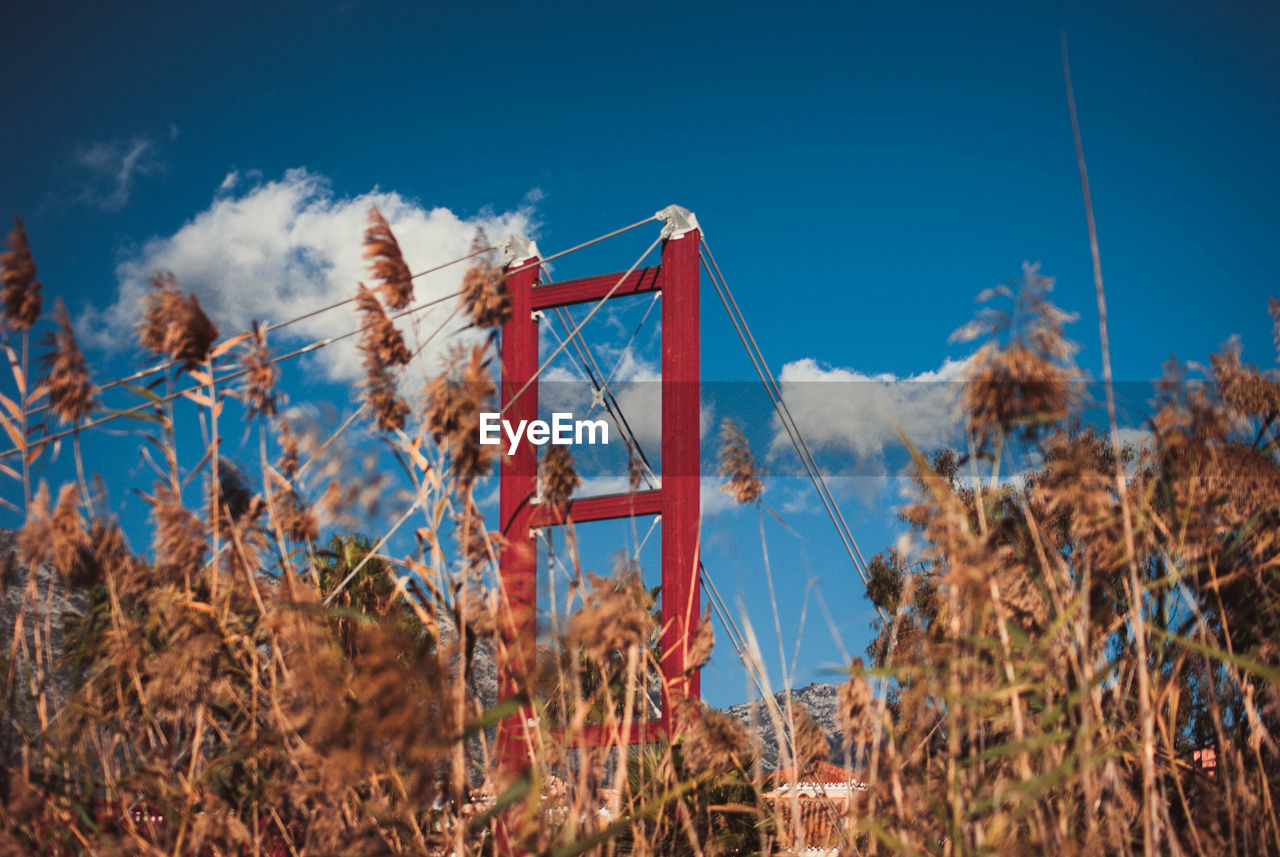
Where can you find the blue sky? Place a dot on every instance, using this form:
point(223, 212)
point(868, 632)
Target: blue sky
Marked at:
point(862, 171)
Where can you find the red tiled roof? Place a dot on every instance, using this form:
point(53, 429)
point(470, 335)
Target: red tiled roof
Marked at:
point(815, 772)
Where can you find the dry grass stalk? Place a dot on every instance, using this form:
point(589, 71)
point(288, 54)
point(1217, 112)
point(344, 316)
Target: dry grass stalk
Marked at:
point(808, 741)
point(288, 462)
point(72, 396)
point(174, 324)
point(718, 743)
point(21, 293)
point(738, 465)
point(557, 477)
point(384, 349)
point(180, 543)
point(615, 618)
point(387, 262)
point(485, 299)
point(455, 399)
point(704, 641)
point(254, 718)
point(857, 716)
point(258, 389)
point(56, 538)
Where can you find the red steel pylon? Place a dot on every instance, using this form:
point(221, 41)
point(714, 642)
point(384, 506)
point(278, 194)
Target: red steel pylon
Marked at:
point(677, 499)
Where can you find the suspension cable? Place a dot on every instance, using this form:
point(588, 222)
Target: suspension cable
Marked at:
point(230, 376)
point(610, 404)
point(786, 418)
point(595, 309)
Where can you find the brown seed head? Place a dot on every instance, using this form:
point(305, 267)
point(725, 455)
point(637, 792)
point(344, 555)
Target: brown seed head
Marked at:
point(387, 262)
point(738, 465)
point(389, 409)
point(558, 476)
point(485, 298)
point(56, 538)
point(383, 348)
point(703, 641)
point(635, 470)
point(1015, 389)
point(809, 740)
point(455, 400)
point(174, 324)
point(379, 338)
point(72, 396)
point(258, 389)
point(179, 541)
point(288, 463)
point(297, 520)
point(718, 743)
point(1247, 392)
point(36, 533)
point(477, 544)
point(856, 714)
point(109, 554)
point(615, 617)
point(21, 292)
point(69, 539)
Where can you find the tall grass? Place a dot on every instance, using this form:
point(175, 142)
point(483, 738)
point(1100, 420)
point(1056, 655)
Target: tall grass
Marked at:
point(240, 686)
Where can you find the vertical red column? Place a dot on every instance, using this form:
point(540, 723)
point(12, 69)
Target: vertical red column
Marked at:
point(681, 502)
point(518, 483)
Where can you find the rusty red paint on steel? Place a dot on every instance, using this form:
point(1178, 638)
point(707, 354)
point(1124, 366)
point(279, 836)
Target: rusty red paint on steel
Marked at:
point(605, 507)
point(681, 501)
point(518, 482)
point(592, 289)
point(678, 499)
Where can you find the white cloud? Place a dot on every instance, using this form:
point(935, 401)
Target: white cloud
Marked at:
point(274, 250)
point(847, 411)
point(111, 168)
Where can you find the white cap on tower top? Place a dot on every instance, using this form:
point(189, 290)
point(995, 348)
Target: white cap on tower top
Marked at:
point(677, 221)
point(517, 250)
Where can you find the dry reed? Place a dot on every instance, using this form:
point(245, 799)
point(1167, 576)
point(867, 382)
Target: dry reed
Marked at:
point(243, 689)
point(387, 262)
point(174, 324)
point(21, 290)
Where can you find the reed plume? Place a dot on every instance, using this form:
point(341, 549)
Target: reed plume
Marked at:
point(485, 298)
point(289, 462)
point(807, 738)
point(455, 399)
point(1023, 378)
point(258, 389)
point(738, 465)
point(615, 617)
point(180, 543)
point(72, 396)
point(558, 478)
point(21, 293)
point(384, 348)
point(704, 641)
point(56, 538)
point(387, 262)
point(174, 324)
point(717, 743)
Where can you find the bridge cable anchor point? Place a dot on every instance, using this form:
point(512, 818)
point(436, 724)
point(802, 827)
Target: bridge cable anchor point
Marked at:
point(676, 220)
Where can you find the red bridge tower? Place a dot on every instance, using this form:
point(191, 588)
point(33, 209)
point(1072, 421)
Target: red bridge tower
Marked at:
point(676, 499)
